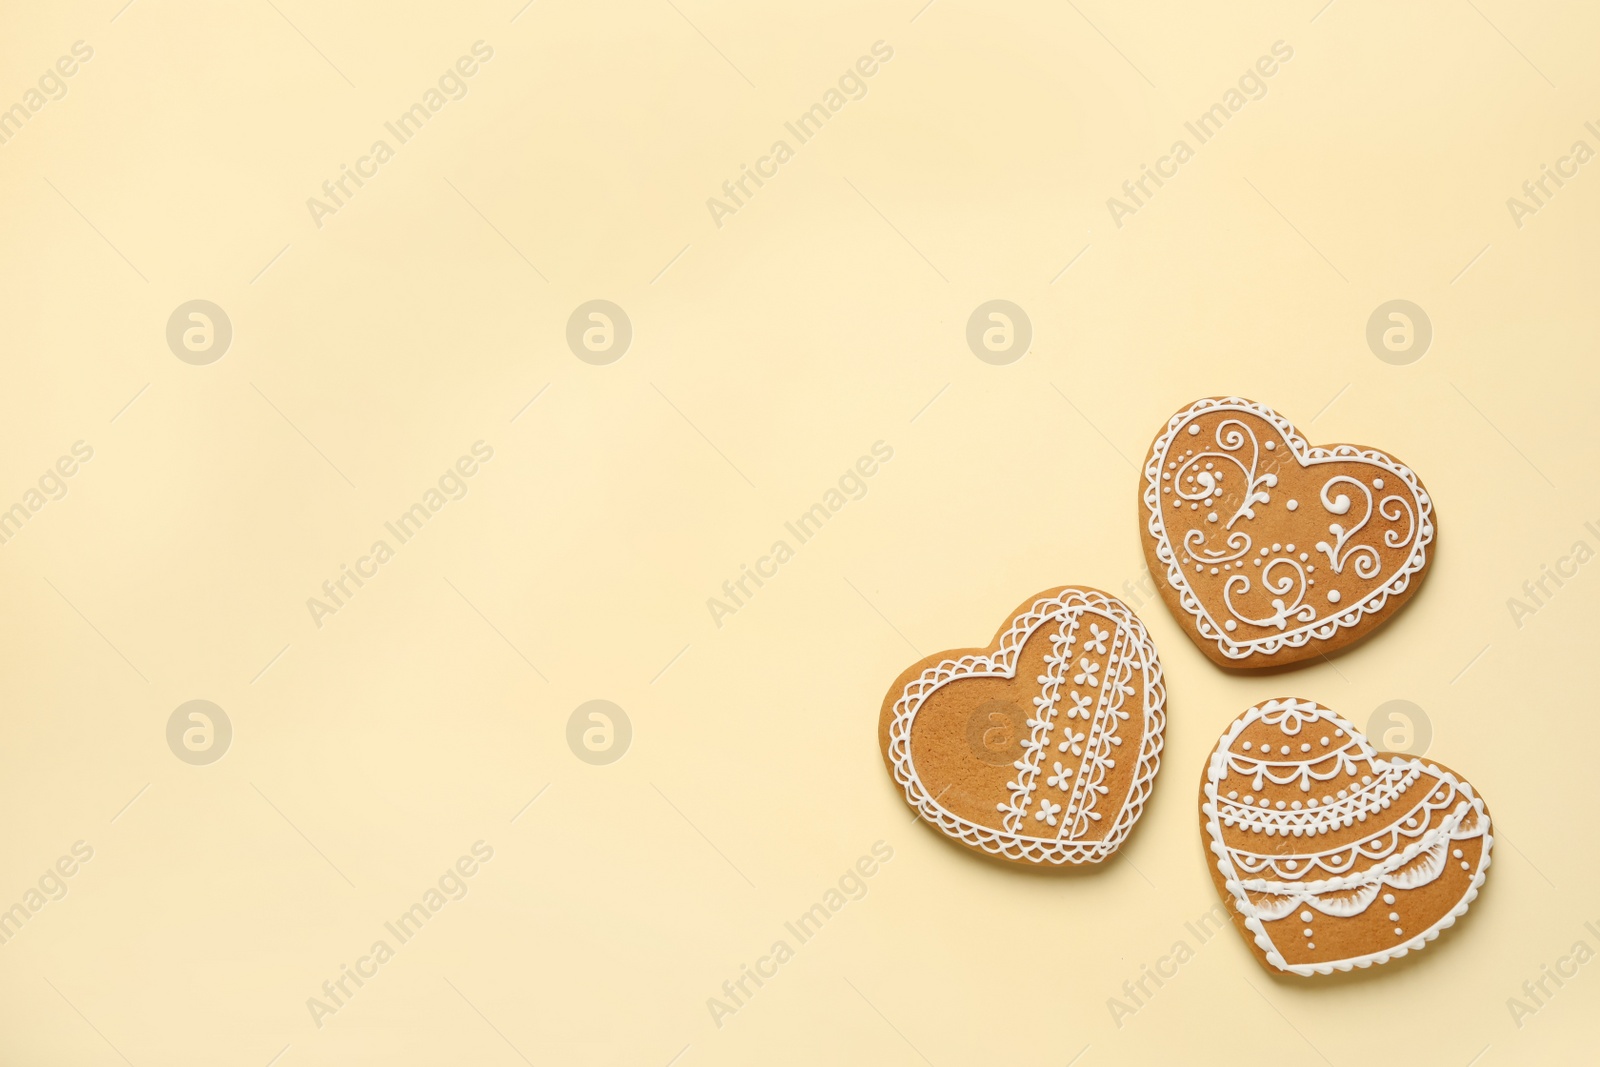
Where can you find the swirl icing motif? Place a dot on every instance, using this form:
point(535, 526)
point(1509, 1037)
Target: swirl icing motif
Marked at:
point(1085, 763)
point(1318, 838)
point(1271, 543)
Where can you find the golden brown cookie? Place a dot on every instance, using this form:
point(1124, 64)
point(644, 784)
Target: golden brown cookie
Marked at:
point(1331, 855)
point(1042, 747)
point(1270, 550)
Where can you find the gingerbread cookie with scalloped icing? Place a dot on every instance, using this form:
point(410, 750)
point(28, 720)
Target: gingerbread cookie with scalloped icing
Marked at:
point(1270, 550)
point(1042, 747)
point(1332, 855)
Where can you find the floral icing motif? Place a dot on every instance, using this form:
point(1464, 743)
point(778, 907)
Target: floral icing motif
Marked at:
point(1306, 823)
point(1047, 811)
point(1065, 808)
point(1212, 479)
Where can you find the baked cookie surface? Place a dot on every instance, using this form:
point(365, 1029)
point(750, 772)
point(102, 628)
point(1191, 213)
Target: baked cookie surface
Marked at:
point(1042, 747)
point(1270, 550)
point(1330, 854)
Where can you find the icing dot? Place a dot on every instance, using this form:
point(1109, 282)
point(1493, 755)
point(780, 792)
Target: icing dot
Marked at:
point(1305, 916)
point(1338, 733)
point(1258, 561)
point(1277, 548)
point(1279, 805)
point(1271, 445)
point(1308, 931)
point(1288, 548)
point(1285, 750)
point(1295, 805)
point(1211, 517)
point(1248, 799)
point(1333, 596)
point(1210, 466)
point(1311, 803)
point(1465, 866)
point(1230, 626)
point(1293, 504)
point(1197, 567)
point(1213, 570)
point(1246, 746)
point(1172, 465)
point(1194, 507)
point(1456, 853)
point(1290, 865)
point(1166, 474)
point(1394, 916)
point(1304, 557)
point(1324, 740)
point(1377, 483)
point(1311, 944)
point(1388, 898)
point(1305, 746)
point(1194, 429)
point(1233, 794)
point(1398, 930)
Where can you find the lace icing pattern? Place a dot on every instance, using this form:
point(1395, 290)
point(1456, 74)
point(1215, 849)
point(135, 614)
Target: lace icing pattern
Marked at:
point(1410, 852)
point(1283, 576)
point(1053, 834)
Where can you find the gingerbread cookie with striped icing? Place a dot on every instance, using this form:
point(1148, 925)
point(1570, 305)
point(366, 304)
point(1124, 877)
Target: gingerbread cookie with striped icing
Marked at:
point(1332, 855)
point(1270, 550)
point(1041, 748)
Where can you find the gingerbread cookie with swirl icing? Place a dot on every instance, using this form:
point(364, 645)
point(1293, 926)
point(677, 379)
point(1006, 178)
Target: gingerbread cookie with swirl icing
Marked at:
point(1270, 550)
point(1329, 854)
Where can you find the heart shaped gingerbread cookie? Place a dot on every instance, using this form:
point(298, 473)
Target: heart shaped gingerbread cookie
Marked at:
point(1042, 747)
point(1332, 855)
point(1270, 550)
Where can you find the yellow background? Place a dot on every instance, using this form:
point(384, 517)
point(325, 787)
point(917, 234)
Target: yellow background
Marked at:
point(768, 354)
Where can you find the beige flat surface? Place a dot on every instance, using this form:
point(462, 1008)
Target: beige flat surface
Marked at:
point(826, 313)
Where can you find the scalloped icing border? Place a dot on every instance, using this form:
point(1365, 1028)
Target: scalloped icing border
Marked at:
point(1002, 662)
point(1382, 956)
point(1306, 453)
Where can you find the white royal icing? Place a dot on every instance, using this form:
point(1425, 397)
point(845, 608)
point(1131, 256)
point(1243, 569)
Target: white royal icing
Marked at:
point(1269, 881)
point(1101, 670)
point(1271, 603)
